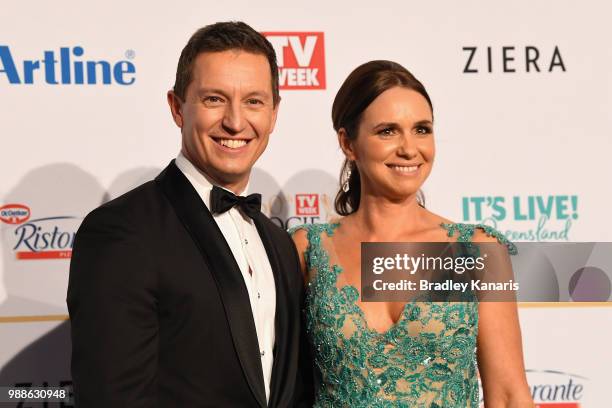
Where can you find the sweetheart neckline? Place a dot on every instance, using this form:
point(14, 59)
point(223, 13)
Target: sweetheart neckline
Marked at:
point(337, 269)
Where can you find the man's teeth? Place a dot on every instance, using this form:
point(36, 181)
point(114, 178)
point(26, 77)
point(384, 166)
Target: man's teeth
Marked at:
point(405, 169)
point(232, 143)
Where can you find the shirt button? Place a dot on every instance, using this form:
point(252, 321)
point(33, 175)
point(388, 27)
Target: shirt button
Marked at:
point(246, 241)
point(258, 295)
point(263, 353)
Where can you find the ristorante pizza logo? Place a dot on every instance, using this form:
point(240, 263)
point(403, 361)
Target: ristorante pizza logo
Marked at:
point(556, 389)
point(40, 238)
point(301, 59)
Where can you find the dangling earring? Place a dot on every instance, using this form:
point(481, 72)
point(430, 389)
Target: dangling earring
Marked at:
point(346, 177)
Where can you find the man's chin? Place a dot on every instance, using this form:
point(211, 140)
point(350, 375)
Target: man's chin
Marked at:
point(231, 175)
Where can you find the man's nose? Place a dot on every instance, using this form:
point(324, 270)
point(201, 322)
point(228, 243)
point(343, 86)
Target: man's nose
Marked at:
point(233, 118)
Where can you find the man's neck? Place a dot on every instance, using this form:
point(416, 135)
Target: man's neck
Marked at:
point(238, 187)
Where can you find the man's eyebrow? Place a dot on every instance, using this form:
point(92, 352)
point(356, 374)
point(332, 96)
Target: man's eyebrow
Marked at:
point(204, 90)
point(261, 94)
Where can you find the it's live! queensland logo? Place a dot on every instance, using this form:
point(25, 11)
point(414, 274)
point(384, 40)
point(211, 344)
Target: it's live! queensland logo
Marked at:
point(300, 57)
point(39, 238)
point(533, 217)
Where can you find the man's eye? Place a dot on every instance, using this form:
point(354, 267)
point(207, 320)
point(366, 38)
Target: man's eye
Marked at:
point(386, 131)
point(253, 101)
point(213, 99)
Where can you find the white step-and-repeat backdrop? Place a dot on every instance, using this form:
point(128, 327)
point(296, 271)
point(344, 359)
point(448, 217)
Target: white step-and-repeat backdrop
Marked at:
point(522, 98)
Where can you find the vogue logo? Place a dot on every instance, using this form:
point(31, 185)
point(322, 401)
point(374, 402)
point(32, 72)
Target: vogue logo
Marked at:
point(301, 59)
point(14, 213)
point(511, 59)
point(66, 68)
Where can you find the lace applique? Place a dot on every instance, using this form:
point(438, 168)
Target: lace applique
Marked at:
point(426, 359)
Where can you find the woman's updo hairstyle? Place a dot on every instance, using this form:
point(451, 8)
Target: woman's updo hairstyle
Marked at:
point(357, 92)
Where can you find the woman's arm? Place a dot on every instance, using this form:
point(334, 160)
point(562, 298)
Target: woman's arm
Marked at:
point(300, 239)
point(500, 351)
point(500, 357)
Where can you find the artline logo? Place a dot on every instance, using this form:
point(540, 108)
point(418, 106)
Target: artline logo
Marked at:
point(512, 59)
point(14, 213)
point(307, 204)
point(301, 59)
point(66, 68)
point(41, 238)
point(546, 217)
point(555, 389)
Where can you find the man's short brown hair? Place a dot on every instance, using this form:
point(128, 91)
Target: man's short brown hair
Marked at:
point(219, 37)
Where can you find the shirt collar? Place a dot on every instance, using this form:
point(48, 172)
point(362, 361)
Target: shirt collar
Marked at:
point(201, 181)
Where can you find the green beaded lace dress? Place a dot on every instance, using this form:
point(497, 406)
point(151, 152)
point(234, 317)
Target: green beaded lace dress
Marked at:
point(426, 359)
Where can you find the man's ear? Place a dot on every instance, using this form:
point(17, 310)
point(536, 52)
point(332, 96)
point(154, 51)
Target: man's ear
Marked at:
point(176, 108)
point(346, 145)
point(274, 115)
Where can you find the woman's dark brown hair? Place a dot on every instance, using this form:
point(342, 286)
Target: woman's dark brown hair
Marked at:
point(357, 92)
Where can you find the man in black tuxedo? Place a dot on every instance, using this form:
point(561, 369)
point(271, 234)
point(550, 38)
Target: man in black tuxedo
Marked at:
point(182, 293)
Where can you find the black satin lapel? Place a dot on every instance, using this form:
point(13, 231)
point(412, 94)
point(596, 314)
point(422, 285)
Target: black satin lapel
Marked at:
point(218, 257)
point(281, 353)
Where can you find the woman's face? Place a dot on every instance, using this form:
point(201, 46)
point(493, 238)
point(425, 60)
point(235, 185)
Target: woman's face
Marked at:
point(394, 148)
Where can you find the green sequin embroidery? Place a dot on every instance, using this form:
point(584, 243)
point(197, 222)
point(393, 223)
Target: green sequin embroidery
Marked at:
point(427, 359)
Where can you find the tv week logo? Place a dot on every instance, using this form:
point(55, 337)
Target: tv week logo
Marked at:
point(307, 204)
point(301, 59)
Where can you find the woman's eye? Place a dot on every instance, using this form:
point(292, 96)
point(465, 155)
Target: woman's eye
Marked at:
point(423, 130)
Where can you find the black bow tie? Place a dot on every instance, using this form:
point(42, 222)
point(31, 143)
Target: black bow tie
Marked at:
point(222, 200)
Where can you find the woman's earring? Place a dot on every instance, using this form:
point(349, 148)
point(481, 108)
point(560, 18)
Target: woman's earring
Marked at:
point(346, 177)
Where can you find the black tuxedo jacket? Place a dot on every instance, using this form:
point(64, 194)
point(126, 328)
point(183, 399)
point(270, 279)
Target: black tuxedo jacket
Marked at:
point(160, 315)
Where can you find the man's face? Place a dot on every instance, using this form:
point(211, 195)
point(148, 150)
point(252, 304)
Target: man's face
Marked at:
point(227, 116)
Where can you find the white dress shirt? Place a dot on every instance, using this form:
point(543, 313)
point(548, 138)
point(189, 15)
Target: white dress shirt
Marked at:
point(250, 254)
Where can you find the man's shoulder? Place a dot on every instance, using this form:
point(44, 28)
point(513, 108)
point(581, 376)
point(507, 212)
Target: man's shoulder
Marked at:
point(132, 207)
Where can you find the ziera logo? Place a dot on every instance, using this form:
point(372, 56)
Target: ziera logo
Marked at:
point(301, 59)
point(511, 59)
point(67, 69)
point(14, 213)
point(307, 204)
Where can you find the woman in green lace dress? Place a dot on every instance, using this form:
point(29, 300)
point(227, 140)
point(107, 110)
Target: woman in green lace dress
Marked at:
point(393, 354)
